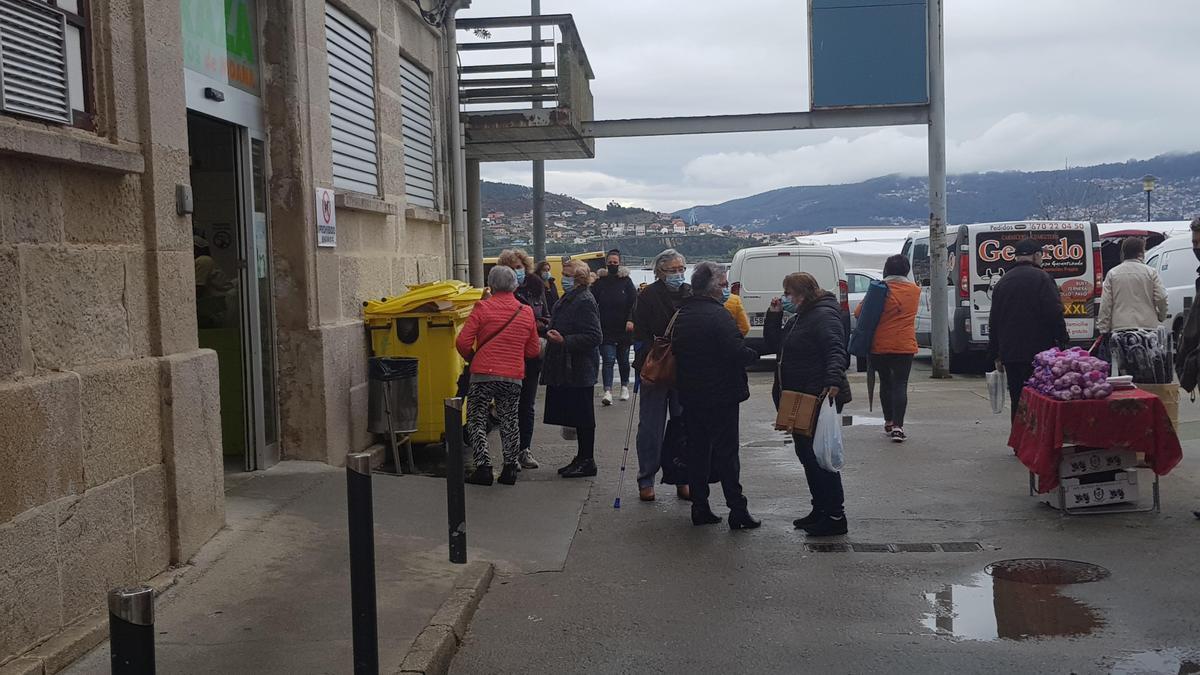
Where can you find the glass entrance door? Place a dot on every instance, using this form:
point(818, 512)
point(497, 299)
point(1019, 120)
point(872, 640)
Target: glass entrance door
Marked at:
point(233, 284)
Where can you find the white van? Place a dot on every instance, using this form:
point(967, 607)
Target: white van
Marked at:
point(757, 276)
point(1176, 265)
point(980, 254)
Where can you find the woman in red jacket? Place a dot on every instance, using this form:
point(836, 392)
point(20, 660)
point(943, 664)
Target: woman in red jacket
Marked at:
point(497, 338)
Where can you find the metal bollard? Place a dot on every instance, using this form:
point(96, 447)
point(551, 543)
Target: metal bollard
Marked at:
point(360, 514)
point(456, 493)
point(131, 630)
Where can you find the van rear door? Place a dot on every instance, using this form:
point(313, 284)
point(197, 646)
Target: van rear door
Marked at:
point(1071, 249)
point(762, 276)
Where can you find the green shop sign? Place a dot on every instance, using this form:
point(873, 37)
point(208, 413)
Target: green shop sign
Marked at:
point(219, 41)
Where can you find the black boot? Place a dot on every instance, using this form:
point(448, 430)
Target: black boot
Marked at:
point(703, 515)
point(742, 520)
point(482, 475)
point(583, 468)
point(575, 460)
point(508, 476)
point(807, 521)
point(828, 526)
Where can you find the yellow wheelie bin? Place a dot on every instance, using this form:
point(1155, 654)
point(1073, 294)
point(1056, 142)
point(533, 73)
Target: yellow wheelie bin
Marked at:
point(423, 324)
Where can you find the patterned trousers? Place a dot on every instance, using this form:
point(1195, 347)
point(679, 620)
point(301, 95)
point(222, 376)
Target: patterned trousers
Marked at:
point(506, 396)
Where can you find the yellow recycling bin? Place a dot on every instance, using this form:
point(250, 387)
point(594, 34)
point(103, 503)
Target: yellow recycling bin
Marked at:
point(399, 327)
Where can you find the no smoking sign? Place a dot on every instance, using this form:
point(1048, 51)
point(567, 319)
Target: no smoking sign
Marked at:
point(326, 219)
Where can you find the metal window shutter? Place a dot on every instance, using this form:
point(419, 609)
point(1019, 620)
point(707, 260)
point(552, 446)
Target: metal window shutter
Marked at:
point(33, 61)
point(352, 103)
point(416, 108)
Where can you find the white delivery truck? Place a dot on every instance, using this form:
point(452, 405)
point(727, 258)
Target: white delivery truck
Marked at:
point(978, 255)
point(757, 276)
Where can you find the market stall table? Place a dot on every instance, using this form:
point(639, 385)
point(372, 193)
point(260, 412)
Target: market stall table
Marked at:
point(1130, 419)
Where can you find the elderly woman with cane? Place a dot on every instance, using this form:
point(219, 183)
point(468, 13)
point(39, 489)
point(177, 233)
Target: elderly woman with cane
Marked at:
point(497, 339)
point(711, 358)
point(570, 365)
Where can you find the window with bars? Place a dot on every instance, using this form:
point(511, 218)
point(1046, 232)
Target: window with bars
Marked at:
point(352, 103)
point(416, 107)
point(45, 64)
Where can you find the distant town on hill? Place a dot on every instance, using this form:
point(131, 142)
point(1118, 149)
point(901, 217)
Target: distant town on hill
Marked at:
point(1100, 193)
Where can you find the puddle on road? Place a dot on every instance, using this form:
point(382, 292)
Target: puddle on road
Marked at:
point(1159, 662)
point(990, 608)
point(861, 421)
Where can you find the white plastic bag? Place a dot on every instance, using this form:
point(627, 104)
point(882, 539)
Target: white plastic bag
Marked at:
point(827, 438)
point(997, 384)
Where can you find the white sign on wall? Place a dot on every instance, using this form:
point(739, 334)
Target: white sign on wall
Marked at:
point(326, 218)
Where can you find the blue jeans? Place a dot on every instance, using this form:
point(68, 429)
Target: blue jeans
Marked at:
point(652, 425)
point(618, 354)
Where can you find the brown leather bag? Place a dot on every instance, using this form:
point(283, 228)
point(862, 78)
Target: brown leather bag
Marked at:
point(659, 367)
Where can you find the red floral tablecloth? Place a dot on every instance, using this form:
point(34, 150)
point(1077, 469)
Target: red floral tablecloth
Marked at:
point(1129, 419)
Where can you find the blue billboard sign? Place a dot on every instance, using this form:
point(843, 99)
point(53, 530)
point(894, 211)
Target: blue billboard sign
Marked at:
point(867, 53)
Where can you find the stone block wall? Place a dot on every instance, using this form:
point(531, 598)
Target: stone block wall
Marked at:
point(104, 478)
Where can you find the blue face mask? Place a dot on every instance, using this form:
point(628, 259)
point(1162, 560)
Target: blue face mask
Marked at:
point(674, 281)
point(546, 276)
point(520, 276)
point(568, 283)
point(788, 305)
point(725, 294)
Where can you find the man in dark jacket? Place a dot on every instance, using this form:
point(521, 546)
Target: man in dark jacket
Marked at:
point(1026, 318)
point(616, 296)
point(710, 359)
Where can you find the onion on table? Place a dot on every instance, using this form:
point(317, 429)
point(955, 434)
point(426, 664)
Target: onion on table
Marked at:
point(1069, 375)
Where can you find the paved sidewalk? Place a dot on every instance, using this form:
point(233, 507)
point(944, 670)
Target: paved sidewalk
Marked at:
point(271, 592)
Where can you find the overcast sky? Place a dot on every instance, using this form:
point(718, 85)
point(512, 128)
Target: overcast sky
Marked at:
point(1030, 84)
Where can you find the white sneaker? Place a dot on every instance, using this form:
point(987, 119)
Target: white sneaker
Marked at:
point(898, 435)
point(526, 460)
point(624, 393)
point(607, 400)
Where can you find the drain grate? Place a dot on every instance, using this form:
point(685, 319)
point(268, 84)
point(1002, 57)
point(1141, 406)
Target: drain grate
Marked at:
point(919, 547)
point(1049, 571)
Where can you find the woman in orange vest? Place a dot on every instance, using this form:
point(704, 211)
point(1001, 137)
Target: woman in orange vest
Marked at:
point(895, 344)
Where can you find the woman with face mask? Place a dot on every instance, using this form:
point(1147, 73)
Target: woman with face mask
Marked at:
point(811, 350)
point(616, 296)
point(656, 304)
point(531, 291)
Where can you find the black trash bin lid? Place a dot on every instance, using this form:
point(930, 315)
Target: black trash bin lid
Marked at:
point(388, 368)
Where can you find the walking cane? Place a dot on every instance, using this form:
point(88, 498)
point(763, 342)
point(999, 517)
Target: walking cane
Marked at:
point(637, 382)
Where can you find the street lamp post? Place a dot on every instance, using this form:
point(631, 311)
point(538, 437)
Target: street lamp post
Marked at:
point(1148, 182)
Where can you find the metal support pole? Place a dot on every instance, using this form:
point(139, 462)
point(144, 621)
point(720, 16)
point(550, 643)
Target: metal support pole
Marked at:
point(938, 270)
point(458, 199)
point(361, 522)
point(474, 224)
point(456, 493)
point(131, 630)
point(539, 166)
point(1147, 206)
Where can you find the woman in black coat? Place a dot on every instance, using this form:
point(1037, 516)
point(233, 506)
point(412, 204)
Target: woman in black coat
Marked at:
point(710, 359)
point(570, 365)
point(812, 359)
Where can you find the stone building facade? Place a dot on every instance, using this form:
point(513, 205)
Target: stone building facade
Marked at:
point(167, 312)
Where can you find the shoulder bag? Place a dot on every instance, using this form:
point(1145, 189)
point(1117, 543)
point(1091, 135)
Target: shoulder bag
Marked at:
point(659, 367)
point(797, 411)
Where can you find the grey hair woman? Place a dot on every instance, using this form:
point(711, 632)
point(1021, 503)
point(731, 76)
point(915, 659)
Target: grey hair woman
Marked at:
point(711, 358)
point(498, 337)
point(570, 365)
point(657, 445)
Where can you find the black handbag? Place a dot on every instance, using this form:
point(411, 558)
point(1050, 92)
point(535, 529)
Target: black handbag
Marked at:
point(557, 368)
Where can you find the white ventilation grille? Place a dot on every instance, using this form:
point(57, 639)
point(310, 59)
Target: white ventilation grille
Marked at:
point(33, 61)
point(417, 115)
point(352, 103)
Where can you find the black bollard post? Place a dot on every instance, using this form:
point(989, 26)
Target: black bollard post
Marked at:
point(456, 494)
point(131, 630)
point(362, 563)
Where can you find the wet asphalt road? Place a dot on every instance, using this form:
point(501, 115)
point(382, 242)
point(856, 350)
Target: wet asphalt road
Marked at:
point(643, 591)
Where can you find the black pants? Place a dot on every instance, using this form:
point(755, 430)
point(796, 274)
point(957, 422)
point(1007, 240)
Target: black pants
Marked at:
point(585, 442)
point(1016, 373)
point(825, 486)
point(893, 372)
point(712, 447)
point(526, 408)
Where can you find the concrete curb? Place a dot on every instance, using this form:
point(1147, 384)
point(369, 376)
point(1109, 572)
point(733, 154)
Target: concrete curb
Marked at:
point(432, 651)
point(78, 638)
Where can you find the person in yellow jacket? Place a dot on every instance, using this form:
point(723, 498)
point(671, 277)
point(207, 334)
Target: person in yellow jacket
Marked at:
point(733, 304)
